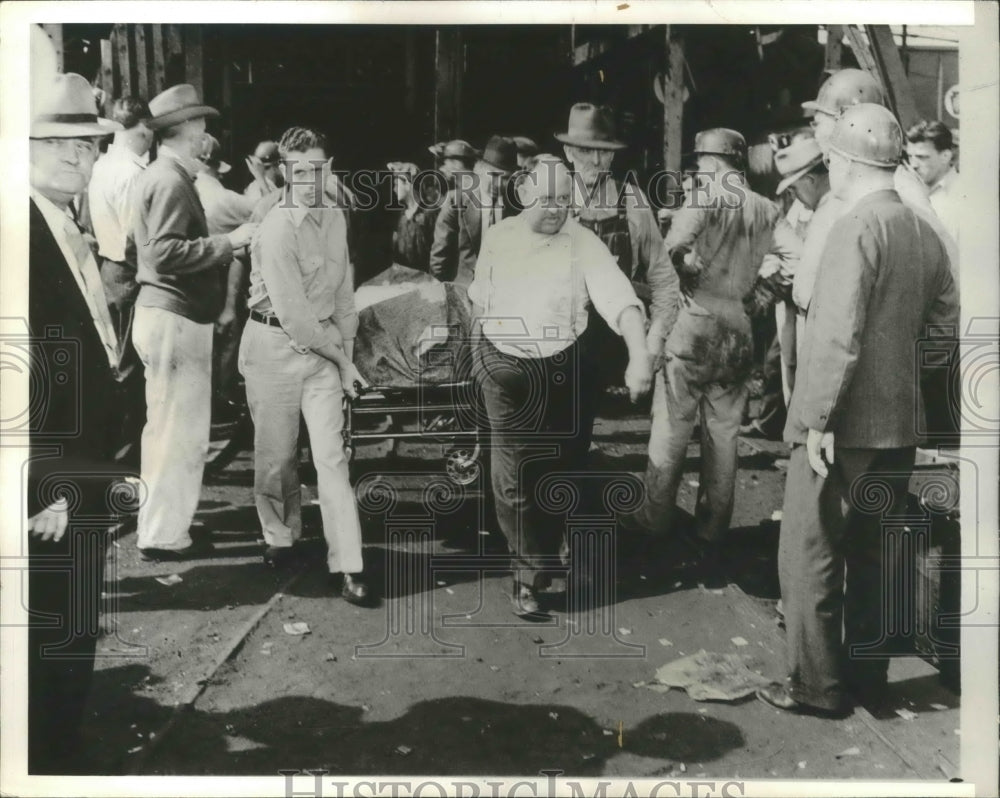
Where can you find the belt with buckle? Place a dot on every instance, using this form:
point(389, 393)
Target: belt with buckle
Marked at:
point(271, 321)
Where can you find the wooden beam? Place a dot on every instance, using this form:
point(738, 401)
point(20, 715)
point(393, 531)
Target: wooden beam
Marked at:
point(893, 76)
point(673, 102)
point(193, 65)
point(834, 48)
point(449, 65)
point(588, 51)
point(55, 32)
point(859, 46)
point(141, 62)
point(107, 72)
point(159, 71)
point(124, 71)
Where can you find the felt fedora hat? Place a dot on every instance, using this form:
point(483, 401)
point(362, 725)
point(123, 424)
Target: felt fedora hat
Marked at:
point(175, 105)
point(456, 148)
point(501, 153)
point(68, 109)
point(796, 160)
point(591, 126)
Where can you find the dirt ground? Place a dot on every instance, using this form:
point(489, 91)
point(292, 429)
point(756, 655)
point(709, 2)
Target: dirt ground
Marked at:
point(200, 677)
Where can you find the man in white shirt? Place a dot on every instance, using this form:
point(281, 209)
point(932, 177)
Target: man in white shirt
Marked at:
point(536, 275)
point(111, 204)
point(930, 150)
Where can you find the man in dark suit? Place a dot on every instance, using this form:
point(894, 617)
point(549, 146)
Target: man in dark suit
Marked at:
point(181, 276)
point(477, 201)
point(883, 283)
point(73, 409)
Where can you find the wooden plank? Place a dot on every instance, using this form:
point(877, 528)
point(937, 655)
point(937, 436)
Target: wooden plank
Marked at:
point(834, 48)
point(107, 72)
point(449, 47)
point(673, 102)
point(159, 69)
point(124, 70)
point(893, 76)
point(141, 61)
point(193, 64)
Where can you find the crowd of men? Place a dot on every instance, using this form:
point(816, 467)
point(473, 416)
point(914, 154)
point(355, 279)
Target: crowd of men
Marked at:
point(167, 280)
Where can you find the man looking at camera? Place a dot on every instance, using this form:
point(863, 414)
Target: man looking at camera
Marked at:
point(535, 277)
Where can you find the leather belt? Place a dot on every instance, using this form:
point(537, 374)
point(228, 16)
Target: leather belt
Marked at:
point(270, 321)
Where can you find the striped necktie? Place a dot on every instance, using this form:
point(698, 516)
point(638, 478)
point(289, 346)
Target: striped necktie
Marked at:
point(92, 281)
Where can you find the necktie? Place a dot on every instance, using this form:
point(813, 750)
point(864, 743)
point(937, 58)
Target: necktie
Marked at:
point(92, 281)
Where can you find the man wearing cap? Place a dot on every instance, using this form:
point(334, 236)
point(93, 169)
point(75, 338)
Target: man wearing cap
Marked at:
point(414, 233)
point(804, 174)
point(182, 269)
point(454, 156)
point(225, 210)
point(111, 203)
point(75, 348)
point(883, 283)
point(622, 218)
point(535, 277)
point(476, 203)
point(717, 241)
point(265, 166)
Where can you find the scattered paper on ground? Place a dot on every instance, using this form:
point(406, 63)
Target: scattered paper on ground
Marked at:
point(297, 628)
point(709, 676)
point(665, 642)
point(938, 706)
point(740, 641)
point(776, 515)
point(173, 579)
point(403, 749)
point(852, 751)
point(906, 714)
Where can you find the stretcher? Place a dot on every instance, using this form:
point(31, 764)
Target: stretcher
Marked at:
point(413, 348)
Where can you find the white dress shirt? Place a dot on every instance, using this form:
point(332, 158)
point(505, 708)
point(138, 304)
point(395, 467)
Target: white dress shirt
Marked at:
point(535, 288)
point(947, 202)
point(91, 288)
point(225, 210)
point(109, 193)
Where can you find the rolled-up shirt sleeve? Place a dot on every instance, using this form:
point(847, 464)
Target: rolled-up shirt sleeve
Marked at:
point(277, 258)
point(609, 289)
point(345, 315)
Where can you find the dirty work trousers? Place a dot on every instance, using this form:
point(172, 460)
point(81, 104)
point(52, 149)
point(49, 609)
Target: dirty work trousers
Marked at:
point(177, 355)
point(540, 413)
point(281, 385)
point(704, 379)
point(831, 528)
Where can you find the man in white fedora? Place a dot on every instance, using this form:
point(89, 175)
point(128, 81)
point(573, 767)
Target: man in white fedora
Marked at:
point(181, 274)
point(72, 406)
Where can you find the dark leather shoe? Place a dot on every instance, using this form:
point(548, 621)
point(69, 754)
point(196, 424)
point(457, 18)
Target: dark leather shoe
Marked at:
point(198, 549)
point(278, 556)
point(777, 696)
point(355, 591)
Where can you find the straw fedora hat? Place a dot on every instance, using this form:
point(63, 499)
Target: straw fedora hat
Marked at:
point(69, 110)
point(175, 105)
point(591, 126)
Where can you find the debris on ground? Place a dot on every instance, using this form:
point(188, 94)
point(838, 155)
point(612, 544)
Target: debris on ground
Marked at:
point(906, 714)
point(330, 657)
point(403, 749)
point(665, 642)
point(710, 676)
point(852, 751)
point(740, 641)
point(297, 628)
point(802, 765)
point(554, 715)
point(657, 688)
point(938, 706)
point(777, 515)
point(624, 630)
point(169, 581)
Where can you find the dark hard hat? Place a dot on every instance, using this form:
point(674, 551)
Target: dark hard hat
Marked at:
point(720, 141)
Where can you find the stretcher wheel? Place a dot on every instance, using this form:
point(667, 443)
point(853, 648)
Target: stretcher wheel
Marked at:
point(461, 464)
